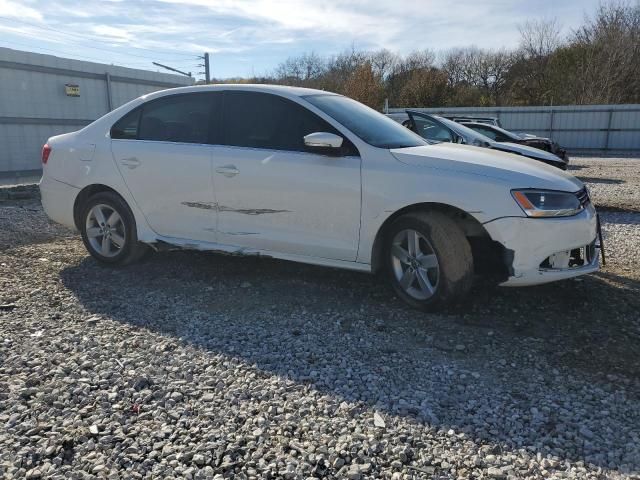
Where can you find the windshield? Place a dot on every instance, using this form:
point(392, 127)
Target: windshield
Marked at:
point(463, 131)
point(509, 134)
point(370, 126)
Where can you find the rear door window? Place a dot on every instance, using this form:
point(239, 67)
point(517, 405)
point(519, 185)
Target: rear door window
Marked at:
point(179, 118)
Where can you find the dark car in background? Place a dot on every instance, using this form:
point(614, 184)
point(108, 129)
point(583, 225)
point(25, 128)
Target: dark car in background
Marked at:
point(499, 134)
point(438, 129)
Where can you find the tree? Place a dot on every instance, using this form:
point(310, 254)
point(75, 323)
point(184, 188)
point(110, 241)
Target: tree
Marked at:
point(609, 55)
point(597, 63)
point(425, 87)
point(383, 62)
point(365, 86)
point(303, 70)
point(531, 77)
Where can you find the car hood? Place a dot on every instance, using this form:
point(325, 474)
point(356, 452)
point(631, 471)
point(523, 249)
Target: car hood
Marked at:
point(527, 151)
point(515, 170)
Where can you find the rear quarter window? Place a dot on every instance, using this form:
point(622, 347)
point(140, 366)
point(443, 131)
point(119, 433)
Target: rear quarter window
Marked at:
point(127, 127)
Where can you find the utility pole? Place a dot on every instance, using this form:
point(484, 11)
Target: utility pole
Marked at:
point(207, 70)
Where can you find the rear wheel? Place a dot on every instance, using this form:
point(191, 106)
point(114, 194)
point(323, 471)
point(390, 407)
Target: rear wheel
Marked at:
point(109, 230)
point(428, 260)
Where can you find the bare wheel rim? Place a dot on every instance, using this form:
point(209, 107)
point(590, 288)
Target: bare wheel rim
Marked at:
point(415, 264)
point(105, 230)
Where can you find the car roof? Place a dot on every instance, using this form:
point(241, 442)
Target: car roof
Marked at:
point(419, 112)
point(480, 124)
point(468, 117)
point(282, 90)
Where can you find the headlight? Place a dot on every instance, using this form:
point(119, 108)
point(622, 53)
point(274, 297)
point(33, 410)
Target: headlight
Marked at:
point(547, 203)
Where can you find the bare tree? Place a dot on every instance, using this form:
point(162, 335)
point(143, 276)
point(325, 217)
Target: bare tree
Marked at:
point(539, 38)
point(598, 63)
point(609, 47)
point(532, 77)
point(302, 70)
point(383, 62)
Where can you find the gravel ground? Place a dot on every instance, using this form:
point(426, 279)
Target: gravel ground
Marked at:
point(195, 365)
point(614, 182)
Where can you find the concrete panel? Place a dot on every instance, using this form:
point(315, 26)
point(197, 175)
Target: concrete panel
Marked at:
point(34, 105)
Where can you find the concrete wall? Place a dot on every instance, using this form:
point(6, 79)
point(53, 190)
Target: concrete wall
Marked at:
point(34, 105)
point(584, 129)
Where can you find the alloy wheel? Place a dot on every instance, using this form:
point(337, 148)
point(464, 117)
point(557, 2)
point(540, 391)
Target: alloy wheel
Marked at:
point(105, 230)
point(415, 264)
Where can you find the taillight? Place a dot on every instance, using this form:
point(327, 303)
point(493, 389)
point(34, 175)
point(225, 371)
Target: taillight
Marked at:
point(46, 151)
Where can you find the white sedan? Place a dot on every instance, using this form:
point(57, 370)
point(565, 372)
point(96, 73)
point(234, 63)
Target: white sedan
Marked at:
point(314, 177)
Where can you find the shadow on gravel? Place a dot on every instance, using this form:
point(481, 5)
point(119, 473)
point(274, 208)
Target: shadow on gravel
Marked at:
point(607, 181)
point(23, 223)
point(619, 216)
point(522, 344)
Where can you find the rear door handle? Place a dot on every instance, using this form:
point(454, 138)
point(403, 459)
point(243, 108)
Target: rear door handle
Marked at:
point(228, 170)
point(131, 162)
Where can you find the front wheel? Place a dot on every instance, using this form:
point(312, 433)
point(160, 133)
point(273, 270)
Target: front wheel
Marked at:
point(109, 230)
point(428, 260)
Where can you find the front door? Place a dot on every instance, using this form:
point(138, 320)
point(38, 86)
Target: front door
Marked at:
point(274, 195)
point(162, 151)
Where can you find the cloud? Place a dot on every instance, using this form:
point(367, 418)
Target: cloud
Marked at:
point(9, 8)
point(266, 32)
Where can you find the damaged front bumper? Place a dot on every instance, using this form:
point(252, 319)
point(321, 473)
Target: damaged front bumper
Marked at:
point(548, 249)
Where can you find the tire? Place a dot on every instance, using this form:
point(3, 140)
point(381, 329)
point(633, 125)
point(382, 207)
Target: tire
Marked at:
point(439, 272)
point(121, 247)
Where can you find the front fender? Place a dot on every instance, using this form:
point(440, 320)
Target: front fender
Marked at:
point(387, 191)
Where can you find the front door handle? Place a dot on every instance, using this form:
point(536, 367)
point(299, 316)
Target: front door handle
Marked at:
point(228, 170)
point(131, 162)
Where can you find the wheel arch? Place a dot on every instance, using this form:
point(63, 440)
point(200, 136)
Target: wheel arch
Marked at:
point(490, 257)
point(86, 193)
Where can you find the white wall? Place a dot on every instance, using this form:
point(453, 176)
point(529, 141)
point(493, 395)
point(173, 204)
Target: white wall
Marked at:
point(34, 105)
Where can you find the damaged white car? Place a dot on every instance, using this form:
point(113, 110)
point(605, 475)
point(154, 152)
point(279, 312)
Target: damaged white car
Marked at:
point(315, 177)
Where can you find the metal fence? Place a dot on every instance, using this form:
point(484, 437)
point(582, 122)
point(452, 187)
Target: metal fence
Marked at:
point(584, 130)
point(44, 95)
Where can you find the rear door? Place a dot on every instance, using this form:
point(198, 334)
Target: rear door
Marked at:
point(163, 152)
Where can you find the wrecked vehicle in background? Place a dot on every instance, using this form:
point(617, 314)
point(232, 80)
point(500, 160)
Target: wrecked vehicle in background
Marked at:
point(314, 177)
point(439, 129)
point(499, 134)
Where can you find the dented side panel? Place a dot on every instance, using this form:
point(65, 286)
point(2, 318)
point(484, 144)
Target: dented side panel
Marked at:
point(289, 202)
point(172, 185)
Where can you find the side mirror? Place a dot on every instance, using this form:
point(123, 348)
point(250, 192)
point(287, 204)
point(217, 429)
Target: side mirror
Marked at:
point(323, 140)
point(459, 139)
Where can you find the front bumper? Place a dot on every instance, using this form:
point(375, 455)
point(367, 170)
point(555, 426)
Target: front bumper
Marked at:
point(531, 242)
point(57, 200)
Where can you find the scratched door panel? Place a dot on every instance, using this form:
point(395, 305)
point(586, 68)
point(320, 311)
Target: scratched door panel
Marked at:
point(171, 185)
point(163, 152)
point(290, 202)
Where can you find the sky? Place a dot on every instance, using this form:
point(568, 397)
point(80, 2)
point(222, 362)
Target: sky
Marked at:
point(251, 37)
